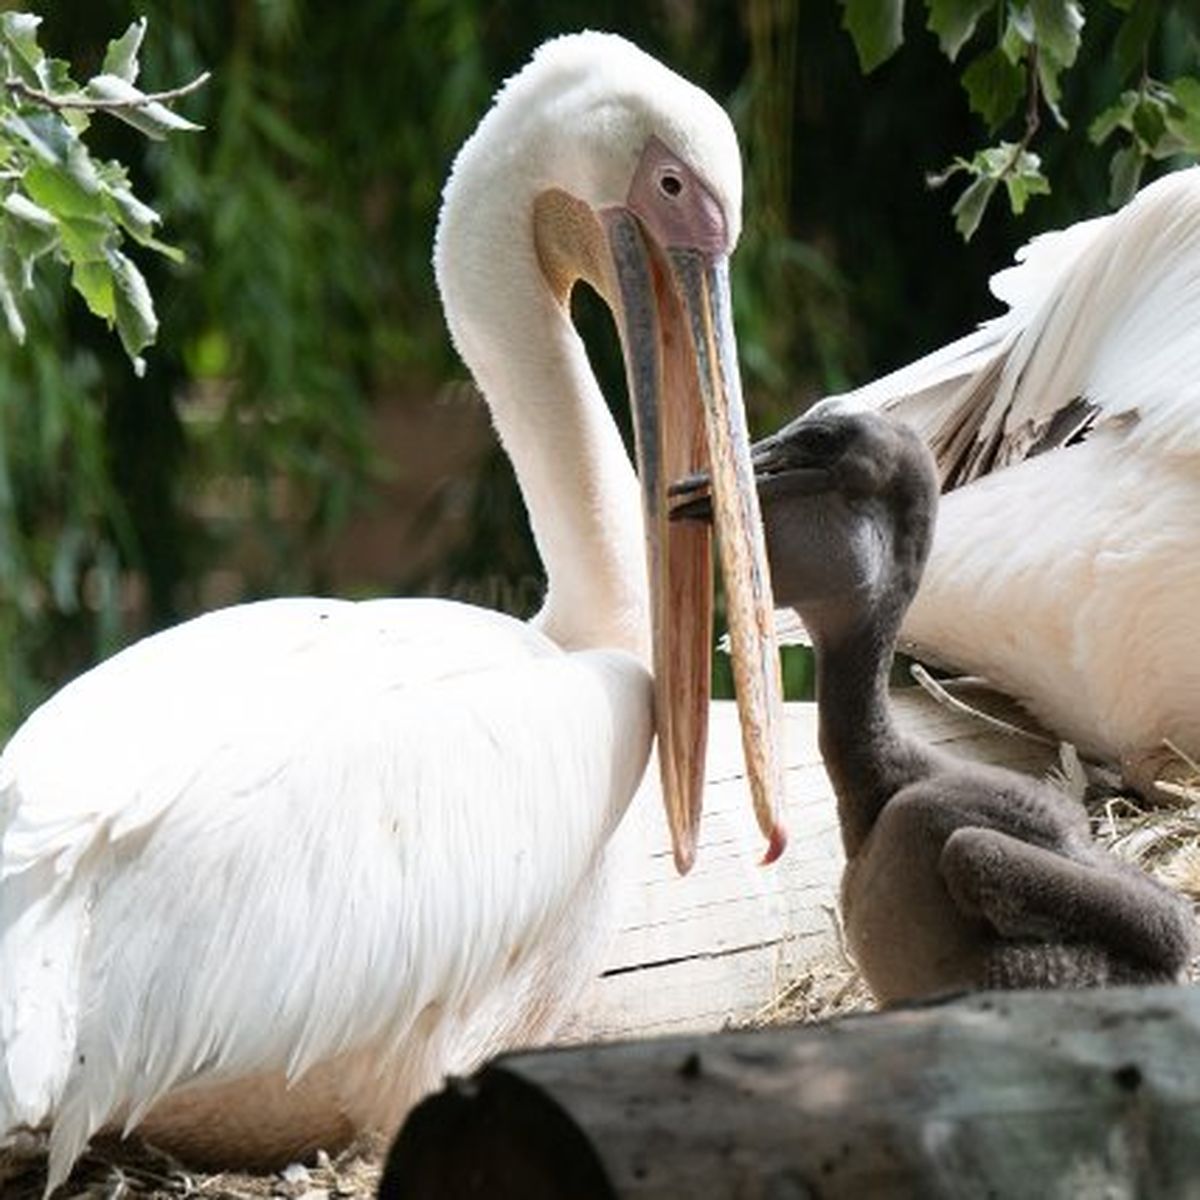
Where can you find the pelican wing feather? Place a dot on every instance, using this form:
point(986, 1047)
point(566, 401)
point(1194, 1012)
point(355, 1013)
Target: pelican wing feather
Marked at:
point(1097, 333)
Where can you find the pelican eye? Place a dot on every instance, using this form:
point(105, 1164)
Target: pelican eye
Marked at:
point(670, 184)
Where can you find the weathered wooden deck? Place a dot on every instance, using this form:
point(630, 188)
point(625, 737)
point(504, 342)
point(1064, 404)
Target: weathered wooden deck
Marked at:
point(692, 955)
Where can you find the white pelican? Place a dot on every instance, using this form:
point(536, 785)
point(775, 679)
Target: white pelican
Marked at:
point(265, 877)
point(1066, 564)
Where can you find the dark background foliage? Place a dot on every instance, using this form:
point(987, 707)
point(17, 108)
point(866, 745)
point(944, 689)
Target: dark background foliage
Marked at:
point(303, 424)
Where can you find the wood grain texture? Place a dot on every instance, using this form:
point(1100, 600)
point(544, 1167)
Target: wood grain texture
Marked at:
point(1005, 1096)
point(694, 954)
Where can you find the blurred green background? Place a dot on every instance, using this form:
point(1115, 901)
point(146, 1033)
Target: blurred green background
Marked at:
point(303, 425)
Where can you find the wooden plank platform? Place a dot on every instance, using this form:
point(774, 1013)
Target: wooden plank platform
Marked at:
point(696, 954)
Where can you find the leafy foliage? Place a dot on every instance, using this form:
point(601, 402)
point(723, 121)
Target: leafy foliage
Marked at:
point(1010, 163)
point(304, 315)
point(56, 199)
point(1024, 50)
point(877, 29)
point(1161, 120)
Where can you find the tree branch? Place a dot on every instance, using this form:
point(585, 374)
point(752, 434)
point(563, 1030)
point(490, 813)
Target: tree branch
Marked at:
point(19, 87)
point(1033, 118)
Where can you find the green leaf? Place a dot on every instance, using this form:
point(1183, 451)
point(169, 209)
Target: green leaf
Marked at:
point(1149, 124)
point(60, 191)
point(30, 231)
point(1186, 90)
point(138, 218)
point(1021, 26)
point(1183, 115)
point(1049, 69)
point(29, 247)
point(18, 35)
point(877, 27)
point(79, 167)
point(1051, 90)
point(995, 87)
point(85, 239)
point(994, 160)
point(1059, 26)
point(94, 282)
point(173, 253)
point(136, 320)
point(1054, 29)
point(1125, 172)
point(969, 208)
point(154, 120)
point(122, 56)
point(59, 82)
point(1022, 184)
point(1133, 38)
point(24, 209)
point(10, 284)
point(1116, 116)
point(40, 133)
point(954, 21)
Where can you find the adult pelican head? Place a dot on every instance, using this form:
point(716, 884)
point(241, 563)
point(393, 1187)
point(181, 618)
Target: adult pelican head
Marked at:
point(599, 164)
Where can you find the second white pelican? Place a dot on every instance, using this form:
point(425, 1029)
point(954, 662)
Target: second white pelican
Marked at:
point(1066, 563)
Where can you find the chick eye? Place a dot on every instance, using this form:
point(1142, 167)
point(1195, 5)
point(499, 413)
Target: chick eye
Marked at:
point(670, 184)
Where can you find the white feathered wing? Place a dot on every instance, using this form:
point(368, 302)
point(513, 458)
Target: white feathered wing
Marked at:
point(366, 842)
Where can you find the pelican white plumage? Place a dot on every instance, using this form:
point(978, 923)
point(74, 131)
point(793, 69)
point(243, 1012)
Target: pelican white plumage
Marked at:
point(265, 877)
point(1066, 563)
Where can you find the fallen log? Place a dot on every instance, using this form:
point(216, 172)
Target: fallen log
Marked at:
point(1009, 1096)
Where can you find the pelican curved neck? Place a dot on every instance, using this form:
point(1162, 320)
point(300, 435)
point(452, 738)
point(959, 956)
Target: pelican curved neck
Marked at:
point(518, 341)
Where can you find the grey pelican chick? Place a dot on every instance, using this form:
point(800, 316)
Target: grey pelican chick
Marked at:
point(958, 875)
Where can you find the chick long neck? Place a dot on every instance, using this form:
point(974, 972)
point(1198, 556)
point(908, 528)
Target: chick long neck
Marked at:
point(867, 756)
